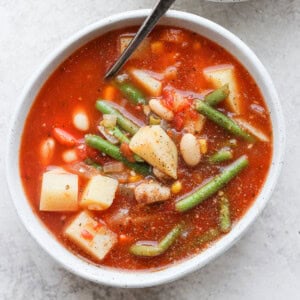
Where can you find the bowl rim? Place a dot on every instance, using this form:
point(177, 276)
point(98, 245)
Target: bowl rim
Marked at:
point(138, 279)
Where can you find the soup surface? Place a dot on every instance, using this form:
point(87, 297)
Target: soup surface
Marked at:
point(168, 163)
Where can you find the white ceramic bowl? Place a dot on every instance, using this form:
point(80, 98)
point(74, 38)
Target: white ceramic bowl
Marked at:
point(115, 277)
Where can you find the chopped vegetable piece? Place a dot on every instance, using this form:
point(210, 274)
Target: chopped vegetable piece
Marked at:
point(133, 94)
point(155, 250)
point(150, 192)
point(221, 156)
point(176, 187)
point(224, 215)
point(99, 193)
point(83, 170)
point(122, 121)
point(212, 186)
point(117, 133)
point(113, 167)
point(153, 120)
point(63, 137)
point(113, 151)
point(222, 75)
point(207, 236)
point(203, 146)
point(156, 147)
point(109, 92)
point(223, 121)
point(95, 240)
point(217, 96)
point(151, 85)
point(109, 121)
point(59, 191)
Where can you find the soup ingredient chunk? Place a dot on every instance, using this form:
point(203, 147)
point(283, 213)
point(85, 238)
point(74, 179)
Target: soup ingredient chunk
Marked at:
point(91, 236)
point(47, 150)
point(222, 75)
point(148, 248)
point(190, 149)
point(161, 110)
point(59, 191)
point(99, 193)
point(156, 147)
point(149, 192)
point(151, 85)
point(81, 121)
point(213, 186)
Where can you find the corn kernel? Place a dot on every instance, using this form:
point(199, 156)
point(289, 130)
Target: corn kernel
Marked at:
point(135, 178)
point(176, 187)
point(203, 146)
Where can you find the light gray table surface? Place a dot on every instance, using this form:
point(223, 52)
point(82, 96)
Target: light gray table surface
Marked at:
point(265, 263)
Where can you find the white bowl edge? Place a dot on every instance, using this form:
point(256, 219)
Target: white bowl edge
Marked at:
point(115, 277)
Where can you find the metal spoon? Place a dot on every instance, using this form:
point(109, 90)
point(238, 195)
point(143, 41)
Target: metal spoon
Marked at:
point(158, 11)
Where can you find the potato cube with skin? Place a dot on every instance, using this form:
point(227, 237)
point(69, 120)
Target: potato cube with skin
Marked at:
point(92, 237)
point(154, 145)
point(147, 82)
point(99, 193)
point(59, 191)
point(225, 74)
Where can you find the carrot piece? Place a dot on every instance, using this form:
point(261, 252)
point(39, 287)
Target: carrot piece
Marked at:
point(126, 152)
point(109, 92)
point(64, 138)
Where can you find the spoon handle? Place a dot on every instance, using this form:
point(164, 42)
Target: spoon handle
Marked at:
point(158, 11)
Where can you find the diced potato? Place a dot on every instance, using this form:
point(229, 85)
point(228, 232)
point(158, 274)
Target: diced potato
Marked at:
point(147, 82)
point(92, 237)
point(195, 125)
point(140, 51)
point(225, 74)
point(59, 191)
point(253, 130)
point(99, 193)
point(156, 147)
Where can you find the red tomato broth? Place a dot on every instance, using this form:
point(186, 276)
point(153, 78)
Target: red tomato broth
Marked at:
point(78, 82)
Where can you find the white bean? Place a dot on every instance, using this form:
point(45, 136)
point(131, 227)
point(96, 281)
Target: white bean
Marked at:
point(149, 192)
point(81, 121)
point(161, 110)
point(69, 156)
point(190, 149)
point(47, 150)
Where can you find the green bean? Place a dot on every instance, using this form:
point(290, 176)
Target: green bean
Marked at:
point(224, 214)
point(113, 151)
point(106, 108)
point(212, 186)
point(223, 121)
point(134, 95)
point(217, 95)
point(207, 236)
point(221, 156)
point(117, 133)
point(161, 247)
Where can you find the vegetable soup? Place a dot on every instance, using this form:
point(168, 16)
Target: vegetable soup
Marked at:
point(152, 166)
